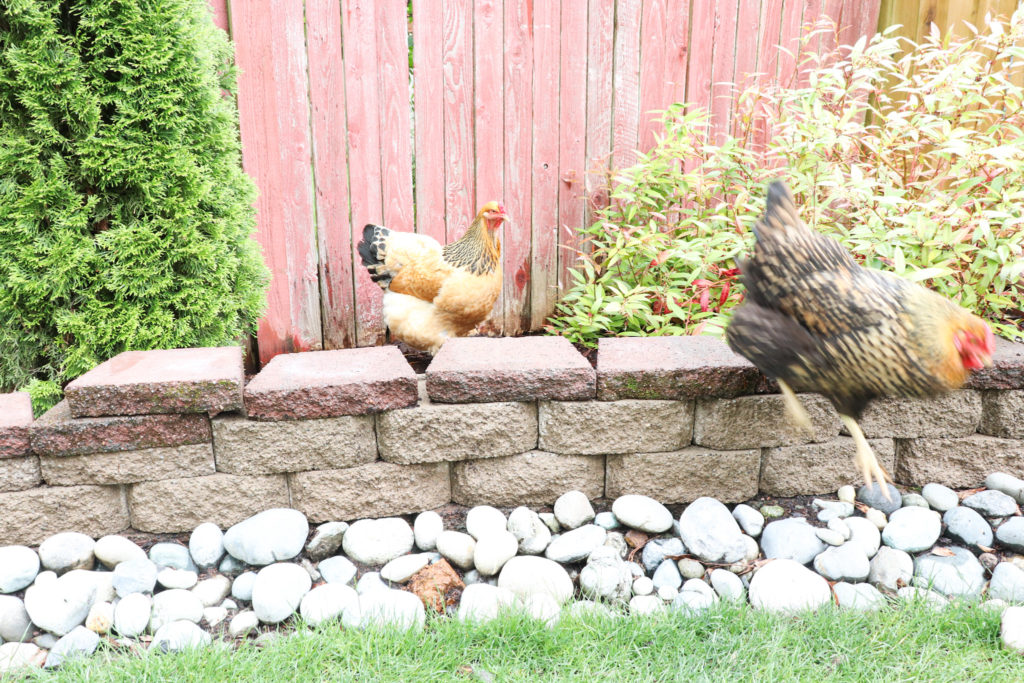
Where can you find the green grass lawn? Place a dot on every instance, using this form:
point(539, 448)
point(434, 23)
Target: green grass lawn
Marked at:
point(905, 643)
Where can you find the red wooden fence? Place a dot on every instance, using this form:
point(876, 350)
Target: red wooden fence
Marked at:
point(514, 100)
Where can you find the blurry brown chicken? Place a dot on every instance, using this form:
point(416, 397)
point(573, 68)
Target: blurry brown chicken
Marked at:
point(816, 321)
point(433, 292)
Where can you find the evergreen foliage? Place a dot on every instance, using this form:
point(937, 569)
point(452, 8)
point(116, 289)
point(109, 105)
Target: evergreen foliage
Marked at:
point(125, 216)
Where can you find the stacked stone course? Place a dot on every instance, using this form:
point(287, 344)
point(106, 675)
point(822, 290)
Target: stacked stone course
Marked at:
point(162, 441)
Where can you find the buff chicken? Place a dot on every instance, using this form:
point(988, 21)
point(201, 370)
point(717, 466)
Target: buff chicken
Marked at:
point(816, 321)
point(432, 292)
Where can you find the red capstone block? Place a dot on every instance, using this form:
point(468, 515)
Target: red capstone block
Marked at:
point(483, 369)
point(15, 419)
point(319, 384)
point(202, 380)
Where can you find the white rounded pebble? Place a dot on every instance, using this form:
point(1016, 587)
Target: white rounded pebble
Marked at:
point(326, 540)
point(727, 585)
point(858, 596)
point(19, 566)
point(667, 593)
point(213, 590)
point(549, 521)
point(401, 569)
point(864, 533)
point(398, 609)
point(113, 550)
point(175, 605)
point(134, 576)
point(241, 587)
point(939, 497)
point(788, 586)
point(132, 614)
point(710, 532)
point(278, 591)
point(206, 545)
point(376, 542)
point(750, 520)
point(168, 577)
point(327, 601)
point(457, 547)
point(67, 550)
point(528, 574)
point(493, 551)
point(912, 529)
point(643, 513)
point(100, 618)
point(608, 521)
point(426, 528)
point(57, 606)
point(484, 520)
point(642, 605)
point(481, 602)
point(576, 545)
point(573, 509)
point(369, 582)
point(847, 494)
point(243, 623)
point(337, 569)
point(1011, 629)
point(839, 525)
point(269, 536)
point(542, 607)
point(15, 624)
point(80, 642)
point(530, 530)
point(14, 656)
point(643, 586)
point(178, 636)
point(214, 615)
point(890, 568)
point(876, 517)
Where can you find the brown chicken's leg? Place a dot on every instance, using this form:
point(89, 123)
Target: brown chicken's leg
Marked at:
point(795, 408)
point(865, 458)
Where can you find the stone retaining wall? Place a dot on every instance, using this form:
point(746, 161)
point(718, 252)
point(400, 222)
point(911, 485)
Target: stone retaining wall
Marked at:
point(161, 441)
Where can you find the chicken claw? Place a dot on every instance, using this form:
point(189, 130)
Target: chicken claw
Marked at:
point(865, 458)
point(795, 409)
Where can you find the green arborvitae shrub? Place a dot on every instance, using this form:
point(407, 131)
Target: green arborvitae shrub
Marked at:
point(125, 217)
point(910, 155)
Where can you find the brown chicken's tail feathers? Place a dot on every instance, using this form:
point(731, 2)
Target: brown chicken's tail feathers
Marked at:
point(372, 251)
point(779, 212)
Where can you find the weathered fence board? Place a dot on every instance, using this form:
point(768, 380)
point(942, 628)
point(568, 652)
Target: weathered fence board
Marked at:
point(528, 103)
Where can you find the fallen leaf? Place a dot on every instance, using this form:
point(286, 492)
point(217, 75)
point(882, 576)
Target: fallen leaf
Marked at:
point(943, 552)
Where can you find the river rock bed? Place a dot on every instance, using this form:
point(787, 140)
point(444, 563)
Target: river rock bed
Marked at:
point(632, 555)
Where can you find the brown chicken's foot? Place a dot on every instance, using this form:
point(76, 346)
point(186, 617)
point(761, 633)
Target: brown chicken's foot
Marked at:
point(865, 458)
point(795, 408)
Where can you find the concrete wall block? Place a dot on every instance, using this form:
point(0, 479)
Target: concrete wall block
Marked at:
point(15, 420)
point(533, 478)
point(177, 505)
point(128, 467)
point(604, 427)
point(29, 517)
point(947, 416)
point(18, 474)
point(1002, 414)
point(959, 463)
point(685, 475)
point(761, 421)
point(380, 489)
point(818, 468)
point(436, 432)
point(244, 446)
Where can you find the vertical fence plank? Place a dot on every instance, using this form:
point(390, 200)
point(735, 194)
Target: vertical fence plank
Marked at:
point(858, 19)
point(600, 54)
point(664, 35)
point(457, 68)
point(698, 67)
point(626, 80)
point(789, 42)
point(488, 147)
point(723, 65)
point(572, 141)
point(363, 108)
point(271, 53)
point(396, 139)
point(544, 212)
point(428, 75)
point(518, 86)
point(330, 167)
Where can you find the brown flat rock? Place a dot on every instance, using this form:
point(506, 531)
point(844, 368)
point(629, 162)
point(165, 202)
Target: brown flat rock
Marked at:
point(15, 418)
point(483, 369)
point(673, 368)
point(203, 380)
point(318, 384)
point(1007, 371)
point(57, 433)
